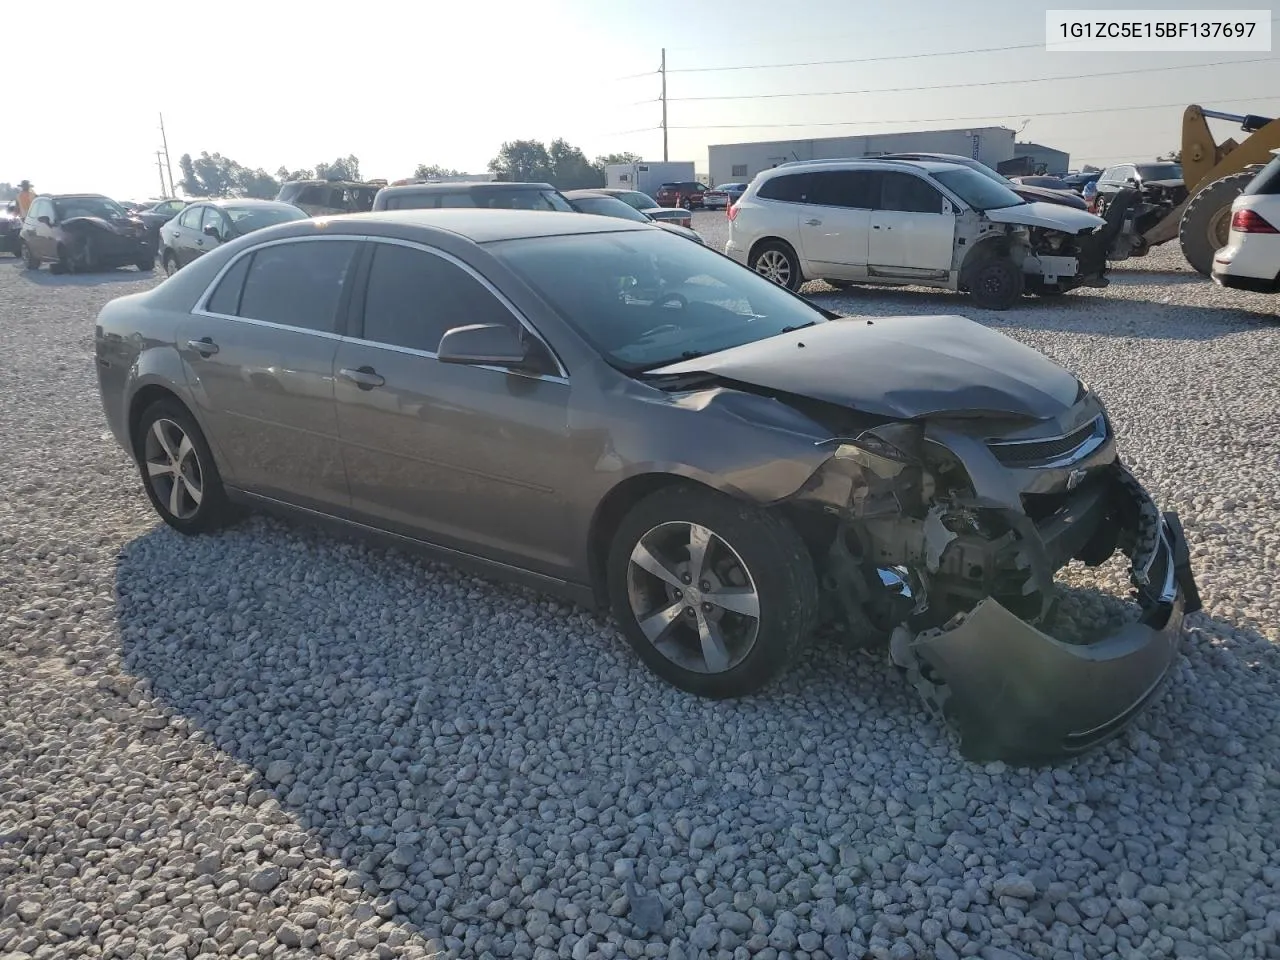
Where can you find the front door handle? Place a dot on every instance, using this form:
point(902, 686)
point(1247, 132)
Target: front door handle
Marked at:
point(814, 223)
point(366, 378)
point(204, 346)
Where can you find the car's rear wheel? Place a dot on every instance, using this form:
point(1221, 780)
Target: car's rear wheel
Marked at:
point(170, 263)
point(178, 471)
point(776, 261)
point(716, 596)
point(29, 257)
point(994, 281)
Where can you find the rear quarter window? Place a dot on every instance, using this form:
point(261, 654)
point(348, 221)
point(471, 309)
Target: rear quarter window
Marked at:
point(790, 188)
point(1267, 182)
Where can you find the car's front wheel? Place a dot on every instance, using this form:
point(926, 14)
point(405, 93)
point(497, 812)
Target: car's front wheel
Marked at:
point(994, 281)
point(178, 471)
point(716, 596)
point(776, 261)
point(29, 257)
point(170, 263)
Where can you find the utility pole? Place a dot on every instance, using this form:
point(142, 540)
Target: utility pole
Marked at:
point(663, 70)
point(160, 169)
point(165, 142)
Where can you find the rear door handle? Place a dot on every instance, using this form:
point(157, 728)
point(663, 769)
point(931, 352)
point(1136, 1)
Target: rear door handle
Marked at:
point(204, 346)
point(366, 378)
point(814, 223)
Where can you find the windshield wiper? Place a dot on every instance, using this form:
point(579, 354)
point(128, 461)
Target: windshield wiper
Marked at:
point(798, 326)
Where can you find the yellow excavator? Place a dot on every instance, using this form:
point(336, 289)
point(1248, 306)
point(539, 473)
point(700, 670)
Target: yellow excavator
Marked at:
point(1214, 174)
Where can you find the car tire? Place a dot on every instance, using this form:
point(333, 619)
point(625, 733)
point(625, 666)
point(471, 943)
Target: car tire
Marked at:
point(146, 264)
point(29, 258)
point(994, 281)
point(64, 264)
point(753, 559)
point(170, 262)
point(178, 471)
point(1206, 222)
point(776, 261)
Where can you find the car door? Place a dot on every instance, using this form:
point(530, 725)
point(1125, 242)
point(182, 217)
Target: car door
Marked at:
point(212, 219)
point(39, 236)
point(834, 227)
point(259, 353)
point(912, 228)
point(186, 231)
point(471, 458)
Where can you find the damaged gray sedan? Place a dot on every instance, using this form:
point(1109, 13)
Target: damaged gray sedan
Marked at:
point(600, 409)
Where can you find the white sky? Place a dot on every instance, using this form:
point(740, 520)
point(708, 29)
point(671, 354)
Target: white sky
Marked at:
point(397, 83)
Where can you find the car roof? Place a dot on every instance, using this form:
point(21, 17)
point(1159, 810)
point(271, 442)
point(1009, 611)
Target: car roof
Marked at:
point(928, 166)
point(242, 202)
point(79, 196)
point(588, 192)
point(484, 226)
point(436, 187)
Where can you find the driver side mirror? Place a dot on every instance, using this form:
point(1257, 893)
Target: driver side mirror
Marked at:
point(478, 344)
point(45, 220)
point(211, 230)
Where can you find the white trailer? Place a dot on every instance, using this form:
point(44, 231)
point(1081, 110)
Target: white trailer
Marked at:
point(646, 176)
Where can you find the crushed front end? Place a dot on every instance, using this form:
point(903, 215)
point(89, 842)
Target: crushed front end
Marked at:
point(945, 538)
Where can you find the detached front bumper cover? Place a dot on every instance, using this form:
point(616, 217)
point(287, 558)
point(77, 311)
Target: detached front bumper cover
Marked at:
point(1014, 693)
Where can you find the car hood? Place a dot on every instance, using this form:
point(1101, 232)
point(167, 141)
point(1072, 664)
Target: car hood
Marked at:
point(1054, 216)
point(1063, 198)
point(900, 367)
point(123, 226)
point(685, 232)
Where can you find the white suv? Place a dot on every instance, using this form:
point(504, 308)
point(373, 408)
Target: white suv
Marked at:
point(1251, 258)
point(898, 222)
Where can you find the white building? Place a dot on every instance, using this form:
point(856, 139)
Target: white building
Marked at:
point(1055, 162)
point(733, 162)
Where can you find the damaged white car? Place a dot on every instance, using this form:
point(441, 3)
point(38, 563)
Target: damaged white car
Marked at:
point(920, 223)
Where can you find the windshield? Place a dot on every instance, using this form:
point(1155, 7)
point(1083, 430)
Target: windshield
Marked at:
point(88, 207)
point(979, 192)
point(646, 298)
point(634, 198)
point(608, 207)
point(1160, 171)
point(248, 219)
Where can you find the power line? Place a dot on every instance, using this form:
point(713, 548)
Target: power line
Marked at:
point(980, 83)
point(984, 116)
point(1040, 45)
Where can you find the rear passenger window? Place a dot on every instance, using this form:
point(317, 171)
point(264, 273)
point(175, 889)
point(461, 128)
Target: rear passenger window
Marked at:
point(415, 296)
point(226, 297)
point(907, 194)
point(844, 188)
point(298, 284)
point(191, 218)
point(792, 188)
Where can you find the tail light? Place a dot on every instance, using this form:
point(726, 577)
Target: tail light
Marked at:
point(1250, 221)
point(731, 211)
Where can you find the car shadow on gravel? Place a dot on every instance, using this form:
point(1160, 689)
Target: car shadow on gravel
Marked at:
point(44, 278)
point(448, 738)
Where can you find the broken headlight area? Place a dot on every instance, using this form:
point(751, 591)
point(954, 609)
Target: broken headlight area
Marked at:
point(964, 590)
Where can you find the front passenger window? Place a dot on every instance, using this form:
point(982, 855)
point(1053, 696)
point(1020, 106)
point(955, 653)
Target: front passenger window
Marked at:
point(905, 193)
point(414, 297)
point(191, 218)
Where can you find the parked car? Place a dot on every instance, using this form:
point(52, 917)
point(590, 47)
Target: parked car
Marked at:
point(603, 410)
point(685, 193)
point(1164, 177)
point(601, 204)
point(10, 230)
point(1029, 192)
point(205, 226)
point(80, 232)
point(484, 194)
point(647, 205)
point(721, 197)
point(1044, 181)
point(326, 198)
point(1251, 258)
point(156, 214)
point(928, 223)
point(1078, 181)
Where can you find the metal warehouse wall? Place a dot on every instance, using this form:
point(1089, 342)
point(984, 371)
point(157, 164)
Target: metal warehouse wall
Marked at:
point(991, 145)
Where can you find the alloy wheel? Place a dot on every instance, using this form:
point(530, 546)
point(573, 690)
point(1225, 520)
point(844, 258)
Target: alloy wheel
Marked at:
point(693, 597)
point(1219, 228)
point(173, 469)
point(774, 265)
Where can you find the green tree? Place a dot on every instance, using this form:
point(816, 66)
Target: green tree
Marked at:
point(429, 171)
point(570, 169)
point(1173, 156)
point(285, 175)
point(604, 160)
point(257, 184)
point(344, 168)
point(209, 175)
point(8, 191)
point(521, 160)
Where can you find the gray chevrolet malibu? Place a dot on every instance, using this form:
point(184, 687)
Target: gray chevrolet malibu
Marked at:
point(603, 410)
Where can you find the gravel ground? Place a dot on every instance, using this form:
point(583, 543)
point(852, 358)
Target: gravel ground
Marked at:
point(274, 743)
